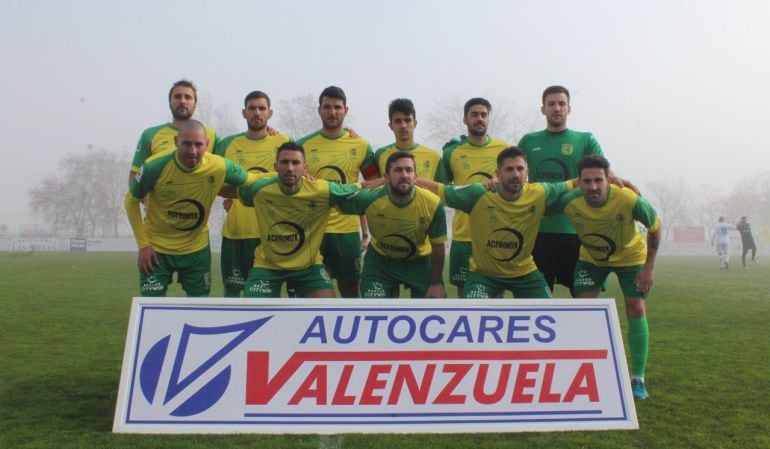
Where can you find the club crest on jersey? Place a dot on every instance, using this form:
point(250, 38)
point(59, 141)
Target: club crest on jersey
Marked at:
point(567, 149)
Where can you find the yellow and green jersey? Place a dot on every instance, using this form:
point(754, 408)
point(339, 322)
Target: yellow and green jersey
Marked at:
point(291, 227)
point(160, 138)
point(338, 160)
point(466, 163)
point(427, 161)
point(609, 234)
point(504, 232)
point(256, 156)
point(179, 200)
point(553, 157)
point(401, 232)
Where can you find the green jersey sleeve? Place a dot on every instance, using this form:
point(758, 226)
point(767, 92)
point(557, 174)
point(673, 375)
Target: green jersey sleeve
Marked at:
point(246, 193)
point(562, 201)
point(462, 198)
point(358, 204)
point(554, 191)
point(143, 151)
point(148, 175)
point(645, 213)
point(593, 147)
point(437, 228)
point(342, 192)
point(368, 159)
point(234, 174)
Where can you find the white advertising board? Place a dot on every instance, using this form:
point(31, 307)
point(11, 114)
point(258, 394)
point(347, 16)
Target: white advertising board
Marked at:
point(364, 366)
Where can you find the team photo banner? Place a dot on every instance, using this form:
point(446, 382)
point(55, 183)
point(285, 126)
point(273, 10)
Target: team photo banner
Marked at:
point(206, 365)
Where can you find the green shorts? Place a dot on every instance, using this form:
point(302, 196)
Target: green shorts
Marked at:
point(382, 276)
point(459, 261)
point(193, 272)
point(265, 283)
point(342, 255)
point(531, 285)
point(589, 278)
point(236, 261)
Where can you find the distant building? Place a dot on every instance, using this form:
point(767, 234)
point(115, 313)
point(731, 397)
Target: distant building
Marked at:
point(689, 234)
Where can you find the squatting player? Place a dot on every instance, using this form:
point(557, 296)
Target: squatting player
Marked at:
point(291, 213)
point(253, 150)
point(467, 161)
point(605, 217)
point(180, 187)
point(408, 227)
point(334, 155)
point(504, 223)
point(182, 100)
point(553, 154)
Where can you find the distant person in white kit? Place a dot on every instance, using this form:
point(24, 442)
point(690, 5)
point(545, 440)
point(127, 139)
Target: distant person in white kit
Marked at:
point(721, 234)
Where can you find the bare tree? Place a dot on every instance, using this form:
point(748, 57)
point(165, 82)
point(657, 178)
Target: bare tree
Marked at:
point(85, 196)
point(297, 116)
point(445, 121)
point(217, 116)
point(674, 201)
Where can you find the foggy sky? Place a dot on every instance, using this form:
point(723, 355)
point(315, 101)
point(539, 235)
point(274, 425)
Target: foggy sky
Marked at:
point(669, 88)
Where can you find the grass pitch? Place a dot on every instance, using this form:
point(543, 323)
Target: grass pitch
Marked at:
point(63, 319)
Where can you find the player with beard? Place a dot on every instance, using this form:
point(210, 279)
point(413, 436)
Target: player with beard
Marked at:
point(292, 213)
point(553, 154)
point(182, 100)
point(470, 160)
point(505, 223)
point(253, 150)
point(335, 155)
point(408, 228)
point(606, 217)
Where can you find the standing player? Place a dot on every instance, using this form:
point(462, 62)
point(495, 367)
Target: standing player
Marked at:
point(292, 213)
point(253, 150)
point(553, 154)
point(721, 234)
point(180, 187)
point(334, 155)
point(504, 223)
point(470, 160)
point(182, 100)
point(402, 121)
point(408, 228)
point(605, 217)
point(747, 241)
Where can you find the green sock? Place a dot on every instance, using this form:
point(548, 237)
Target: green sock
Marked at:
point(638, 343)
point(232, 293)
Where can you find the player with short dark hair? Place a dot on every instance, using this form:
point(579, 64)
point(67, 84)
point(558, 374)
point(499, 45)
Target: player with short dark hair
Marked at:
point(469, 160)
point(253, 150)
point(182, 101)
point(402, 120)
point(408, 233)
point(606, 217)
point(291, 213)
point(504, 223)
point(334, 155)
point(553, 154)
